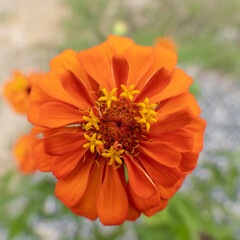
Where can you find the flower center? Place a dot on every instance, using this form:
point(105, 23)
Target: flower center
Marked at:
point(115, 126)
point(118, 125)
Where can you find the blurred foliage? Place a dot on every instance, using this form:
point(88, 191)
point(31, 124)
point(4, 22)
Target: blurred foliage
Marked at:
point(207, 32)
point(204, 212)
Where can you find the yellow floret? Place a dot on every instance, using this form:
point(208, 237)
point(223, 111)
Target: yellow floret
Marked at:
point(146, 118)
point(92, 121)
point(128, 93)
point(108, 97)
point(114, 155)
point(93, 142)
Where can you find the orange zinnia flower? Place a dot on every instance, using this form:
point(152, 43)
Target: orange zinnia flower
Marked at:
point(120, 130)
point(17, 91)
point(24, 154)
point(166, 42)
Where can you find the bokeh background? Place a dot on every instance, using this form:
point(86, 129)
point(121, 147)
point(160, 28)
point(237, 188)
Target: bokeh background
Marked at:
point(208, 37)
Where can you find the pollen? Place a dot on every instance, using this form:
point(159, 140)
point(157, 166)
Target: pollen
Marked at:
point(128, 93)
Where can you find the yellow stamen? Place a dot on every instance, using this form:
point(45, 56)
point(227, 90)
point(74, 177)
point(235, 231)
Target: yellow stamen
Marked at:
point(114, 155)
point(93, 142)
point(146, 106)
point(108, 97)
point(92, 121)
point(146, 118)
point(128, 93)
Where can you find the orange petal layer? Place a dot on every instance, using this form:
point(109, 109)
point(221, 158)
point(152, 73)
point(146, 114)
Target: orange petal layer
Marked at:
point(120, 70)
point(181, 140)
point(64, 143)
point(161, 153)
point(52, 86)
point(64, 164)
point(76, 88)
point(57, 114)
point(180, 83)
point(159, 173)
point(138, 177)
point(96, 63)
point(161, 57)
point(72, 188)
point(168, 192)
point(144, 204)
point(112, 203)
point(44, 161)
point(153, 87)
point(160, 207)
point(87, 205)
point(140, 59)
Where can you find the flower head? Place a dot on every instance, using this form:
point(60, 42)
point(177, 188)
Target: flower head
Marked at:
point(24, 153)
point(18, 89)
point(166, 42)
point(120, 129)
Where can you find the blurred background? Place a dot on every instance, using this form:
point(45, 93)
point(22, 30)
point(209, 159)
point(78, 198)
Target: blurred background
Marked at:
point(207, 34)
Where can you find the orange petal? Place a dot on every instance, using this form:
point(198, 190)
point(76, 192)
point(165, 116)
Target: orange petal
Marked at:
point(180, 83)
point(57, 114)
point(112, 203)
point(175, 113)
point(197, 126)
point(180, 102)
point(140, 59)
point(120, 71)
point(159, 173)
point(52, 86)
point(171, 122)
point(64, 164)
point(133, 213)
point(36, 130)
point(67, 61)
point(160, 207)
point(71, 189)
point(144, 204)
point(119, 45)
point(153, 87)
point(161, 153)
point(44, 161)
point(166, 42)
point(96, 62)
point(162, 57)
point(87, 205)
point(168, 192)
point(64, 143)
point(189, 162)
point(181, 140)
point(37, 98)
point(55, 131)
point(139, 181)
point(76, 88)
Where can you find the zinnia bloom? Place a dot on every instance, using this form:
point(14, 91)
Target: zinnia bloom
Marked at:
point(17, 90)
point(120, 129)
point(24, 154)
point(166, 42)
